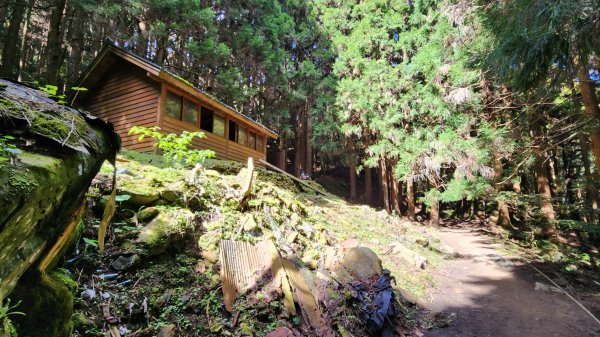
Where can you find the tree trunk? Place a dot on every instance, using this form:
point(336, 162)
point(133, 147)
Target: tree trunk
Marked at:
point(384, 185)
point(142, 38)
point(76, 44)
point(368, 171)
point(299, 141)
point(553, 177)
point(395, 191)
point(410, 195)
point(503, 211)
point(590, 103)
point(281, 155)
point(541, 178)
point(368, 186)
point(308, 167)
point(54, 42)
point(591, 182)
point(11, 41)
point(352, 169)
point(434, 213)
point(22, 49)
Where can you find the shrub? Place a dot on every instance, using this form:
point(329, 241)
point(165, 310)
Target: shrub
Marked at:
point(175, 148)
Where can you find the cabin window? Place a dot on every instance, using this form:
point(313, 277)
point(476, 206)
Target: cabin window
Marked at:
point(252, 140)
point(219, 125)
point(173, 105)
point(190, 112)
point(232, 131)
point(242, 134)
point(259, 143)
point(211, 122)
point(206, 119)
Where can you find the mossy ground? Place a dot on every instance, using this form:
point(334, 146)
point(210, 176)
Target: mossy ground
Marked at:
point(181, 287)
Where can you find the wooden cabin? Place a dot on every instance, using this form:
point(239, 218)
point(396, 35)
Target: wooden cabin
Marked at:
point(128, 90)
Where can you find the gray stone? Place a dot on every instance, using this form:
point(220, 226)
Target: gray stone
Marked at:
point(124, 262)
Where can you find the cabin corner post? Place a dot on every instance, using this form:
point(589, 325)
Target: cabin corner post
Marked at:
point(226, 137)
point(161, 106)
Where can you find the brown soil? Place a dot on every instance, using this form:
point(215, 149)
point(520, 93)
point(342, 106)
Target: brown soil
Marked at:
point(487, 292)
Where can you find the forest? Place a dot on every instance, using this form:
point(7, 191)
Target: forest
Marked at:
point(435, 111)
point(448, 108)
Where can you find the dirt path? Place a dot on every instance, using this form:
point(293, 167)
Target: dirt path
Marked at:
point(493, 295)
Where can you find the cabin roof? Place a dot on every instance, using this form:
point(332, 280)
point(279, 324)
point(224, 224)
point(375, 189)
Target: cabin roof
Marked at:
point(110, 53)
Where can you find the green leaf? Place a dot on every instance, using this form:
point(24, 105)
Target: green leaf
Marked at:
point(122, 197)
point(93, 243)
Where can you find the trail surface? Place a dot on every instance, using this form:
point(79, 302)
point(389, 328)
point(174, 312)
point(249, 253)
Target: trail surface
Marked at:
point(492, 294)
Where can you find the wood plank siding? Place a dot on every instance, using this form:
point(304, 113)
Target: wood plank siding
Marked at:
point(223, 147)
point(126, 97)
point(128, 91)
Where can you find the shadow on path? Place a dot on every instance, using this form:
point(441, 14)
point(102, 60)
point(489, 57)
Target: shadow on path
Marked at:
point(490, 293)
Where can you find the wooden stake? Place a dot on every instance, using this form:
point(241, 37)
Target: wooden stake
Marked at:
point(247, 188)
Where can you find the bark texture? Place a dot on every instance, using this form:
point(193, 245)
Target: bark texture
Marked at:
point(542, 179)
point(11, 43)
point(54, 42)
point(410, 195)
point(592, 110)
point(52, 176)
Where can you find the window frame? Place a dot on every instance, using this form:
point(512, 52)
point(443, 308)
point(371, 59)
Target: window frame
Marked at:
point(180, 105)
point(252, 135)
point(215, 112)
point(262, 143)
point(224, 124)
point(245, 128)
point(198, 105)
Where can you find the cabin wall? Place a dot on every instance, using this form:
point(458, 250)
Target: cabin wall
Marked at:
point(126, 97)
point(223, 147)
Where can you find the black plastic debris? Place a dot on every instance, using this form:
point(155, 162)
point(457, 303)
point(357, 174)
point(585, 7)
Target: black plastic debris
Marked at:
point(377, 304)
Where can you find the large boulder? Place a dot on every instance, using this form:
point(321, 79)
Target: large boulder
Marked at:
point(354, 263)
point(49, 154)
point(170, 227)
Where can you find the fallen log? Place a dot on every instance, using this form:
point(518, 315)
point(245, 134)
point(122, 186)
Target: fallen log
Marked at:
point(49, 155)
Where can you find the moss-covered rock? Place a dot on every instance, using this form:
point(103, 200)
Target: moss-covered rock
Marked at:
point(47, 302)
point(147, 214)
point(168, 228)
point(81, 321)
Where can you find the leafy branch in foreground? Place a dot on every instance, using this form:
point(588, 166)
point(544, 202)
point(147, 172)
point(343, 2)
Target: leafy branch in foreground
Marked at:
point(175, 148)
point(6, 326)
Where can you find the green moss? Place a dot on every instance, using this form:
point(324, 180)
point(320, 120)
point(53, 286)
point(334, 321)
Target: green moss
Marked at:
point(66, 280)
point(147, 214)
point(19, 183)
point(6, 104)
point(143, 158)
point(50, 127)
point(81, 322)
point(169, 227)
point(48, 305)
